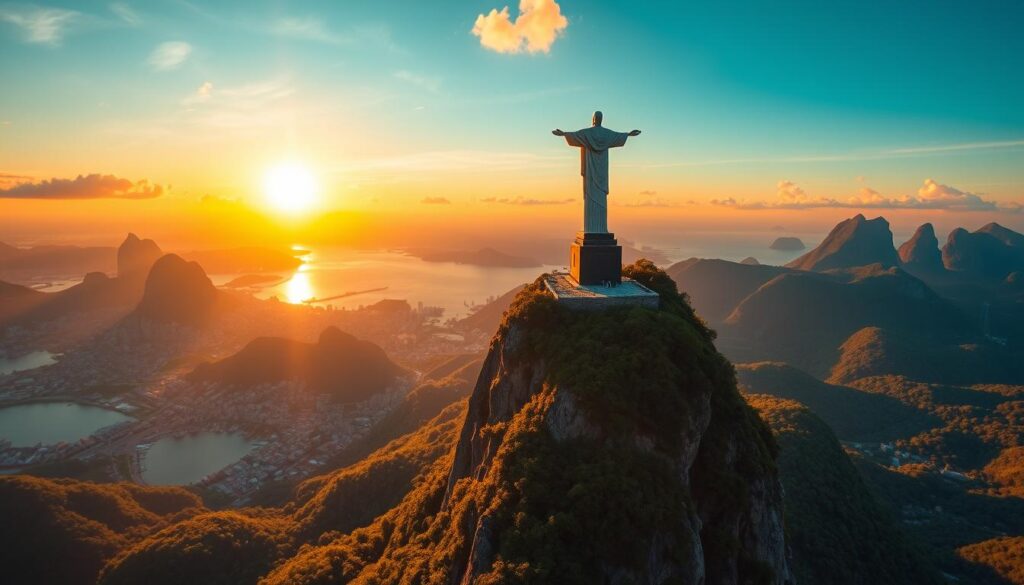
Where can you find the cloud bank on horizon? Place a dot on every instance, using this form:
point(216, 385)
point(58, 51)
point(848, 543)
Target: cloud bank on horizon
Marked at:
point(93, 186)
point(539, 23)
point(931, 196)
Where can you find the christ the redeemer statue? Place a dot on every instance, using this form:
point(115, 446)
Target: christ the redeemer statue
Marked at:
point(594, 143)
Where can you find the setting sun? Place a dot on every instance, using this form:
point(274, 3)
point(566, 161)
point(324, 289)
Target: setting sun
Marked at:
point(291, 188)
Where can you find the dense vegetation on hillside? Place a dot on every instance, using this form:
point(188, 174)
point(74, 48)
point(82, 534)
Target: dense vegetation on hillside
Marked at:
point(945, 514)
point(977, 422)
point(220, 548)
point(574, 508)
point(64, 531)
point(838, 531)
point(852, 414)
point(1005, 555)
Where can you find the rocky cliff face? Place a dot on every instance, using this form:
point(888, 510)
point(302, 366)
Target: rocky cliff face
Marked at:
point(921, 252)
point(854, 242)
point(612, 448)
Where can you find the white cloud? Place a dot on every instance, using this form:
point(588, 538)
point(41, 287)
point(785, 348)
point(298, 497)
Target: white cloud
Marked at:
point(932, 195)
point(431, 84)
point(126, 13)
point(41, 25)
point(535, 29)
point(170, 55)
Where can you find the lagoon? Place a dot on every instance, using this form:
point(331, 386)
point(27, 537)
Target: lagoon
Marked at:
point(28, 361)
point(185, 460)
point(48, 423)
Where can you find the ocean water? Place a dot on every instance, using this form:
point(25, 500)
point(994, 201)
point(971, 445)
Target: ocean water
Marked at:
point(454, 287)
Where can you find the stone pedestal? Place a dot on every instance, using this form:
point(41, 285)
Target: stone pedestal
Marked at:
point(595, 259)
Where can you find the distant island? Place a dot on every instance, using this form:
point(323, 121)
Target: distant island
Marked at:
point(787, 243)
point(483, 257)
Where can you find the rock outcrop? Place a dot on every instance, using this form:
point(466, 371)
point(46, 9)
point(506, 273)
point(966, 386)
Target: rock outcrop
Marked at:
point(136, 256)
point(920, 254)
point(854, 242)
point(613, 445)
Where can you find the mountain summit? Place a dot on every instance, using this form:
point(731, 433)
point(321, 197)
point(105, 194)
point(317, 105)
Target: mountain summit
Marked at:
point(177, 291)
point(598, 447)
point(921, 252)
point(853, 242)
point(136, 256)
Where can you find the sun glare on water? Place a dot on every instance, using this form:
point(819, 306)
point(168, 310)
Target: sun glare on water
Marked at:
point(290, 188)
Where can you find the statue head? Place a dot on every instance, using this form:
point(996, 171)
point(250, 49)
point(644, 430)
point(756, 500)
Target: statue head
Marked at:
point(598, 117)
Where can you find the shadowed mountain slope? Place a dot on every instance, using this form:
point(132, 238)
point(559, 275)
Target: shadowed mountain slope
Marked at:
point(339, 364)
point(802, 318)
point(178, 291)
point(853, 415)
point(920, 254)
point(715, 287)
point(839, 533)
point(992, 252)
point(64, 531)
point(854, 242)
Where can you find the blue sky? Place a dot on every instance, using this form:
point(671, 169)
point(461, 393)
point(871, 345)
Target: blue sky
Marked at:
point(737, 100)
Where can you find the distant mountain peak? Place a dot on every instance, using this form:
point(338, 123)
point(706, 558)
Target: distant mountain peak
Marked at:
point(921, 251)
point(992, 252)
point(853, 242)
point(177, 291)
point(136, 256)
point(1003, 234)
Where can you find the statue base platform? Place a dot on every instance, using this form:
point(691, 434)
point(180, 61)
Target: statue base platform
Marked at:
point(595, 259)
point(590, 297)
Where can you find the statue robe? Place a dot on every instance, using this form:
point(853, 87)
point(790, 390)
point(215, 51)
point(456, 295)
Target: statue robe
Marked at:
point(594, 143)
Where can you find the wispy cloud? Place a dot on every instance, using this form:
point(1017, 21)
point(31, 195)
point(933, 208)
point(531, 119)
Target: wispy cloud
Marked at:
point(126, 13)
point(539, 23)
point(314, 29)
point(45, 26)
point(200, 95)
point(431, 84)
point(435, 201)
point(525, 201)
point(94, 186)
point(932, 195)
point(169, 55)
point(875, 154)
point(307, 28)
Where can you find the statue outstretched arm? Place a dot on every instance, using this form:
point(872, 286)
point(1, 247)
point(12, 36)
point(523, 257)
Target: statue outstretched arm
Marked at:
point(634, 133)
point(570, 137)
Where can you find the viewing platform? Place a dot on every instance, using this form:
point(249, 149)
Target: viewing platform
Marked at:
point(567, 291)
